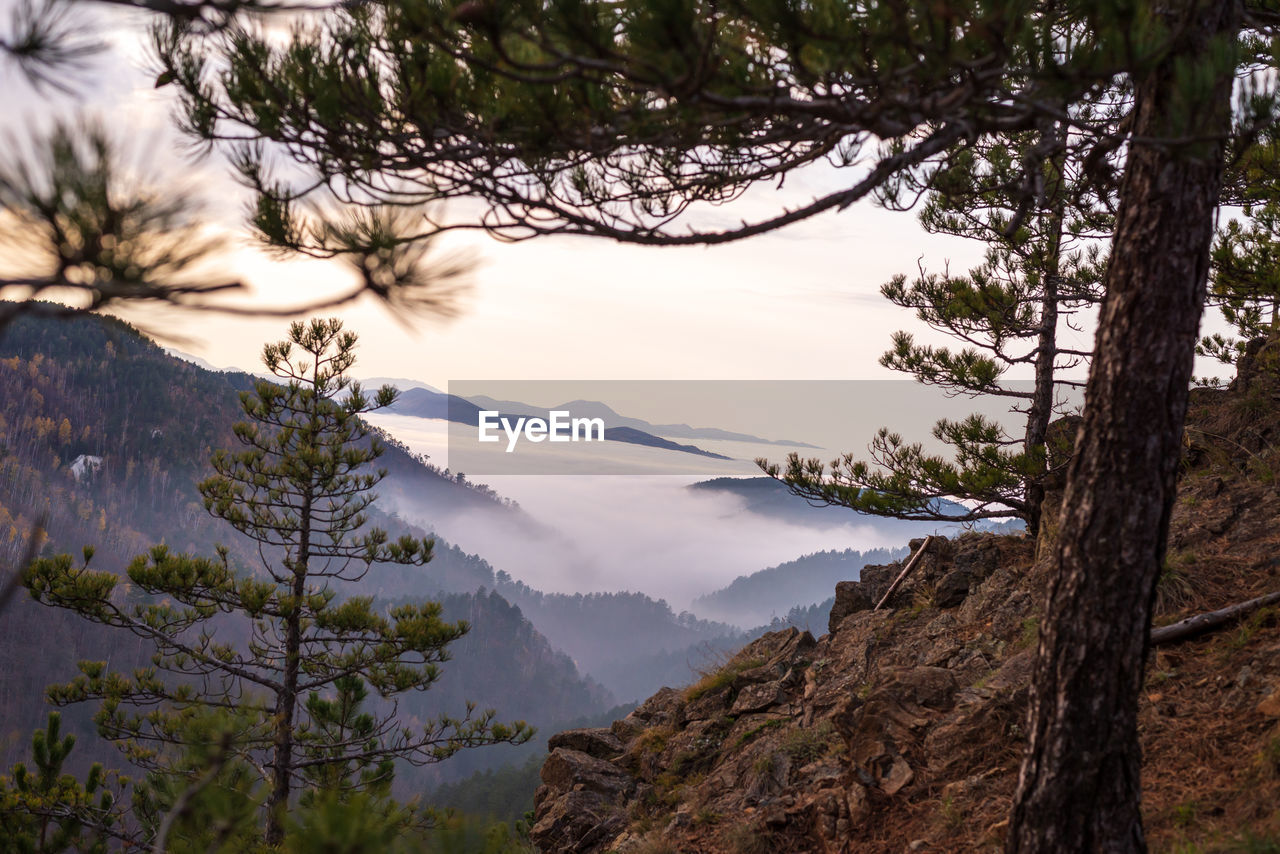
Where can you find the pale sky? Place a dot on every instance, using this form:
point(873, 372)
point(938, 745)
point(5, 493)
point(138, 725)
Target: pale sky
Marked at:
point(801, 304)
point(798, 304)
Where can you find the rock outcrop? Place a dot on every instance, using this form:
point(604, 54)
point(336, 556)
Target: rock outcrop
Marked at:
point(796, 737)
point(902, 728)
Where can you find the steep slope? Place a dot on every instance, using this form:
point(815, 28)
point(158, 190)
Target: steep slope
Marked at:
point(903, 728)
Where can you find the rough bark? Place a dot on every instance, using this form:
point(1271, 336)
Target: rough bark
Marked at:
point(1079, 789)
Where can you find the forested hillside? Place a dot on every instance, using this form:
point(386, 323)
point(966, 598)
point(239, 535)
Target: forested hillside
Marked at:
point(103, 438)
point(94, 388)
point(632, 643)
point(761, 596)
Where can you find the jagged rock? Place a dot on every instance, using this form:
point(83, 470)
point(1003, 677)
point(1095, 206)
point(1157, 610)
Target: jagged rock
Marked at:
point(595, 741)
point(826, 807)
point(1010, 617)
point(881, 731)
point(817, 773)
point(851, 597)
point(941, 549)
point(979, 559)
point(709, 705)
point(767, 775)
point(580, 804)
point(953, 588)
point(943, 624)
point(541, 794)
point(626, 842)
point(577, 822)
point(567, 769)
point(896, 777)
point(757, 698)
point(858, 803)
point(765, 673)
point(992, 595)
point(627, 728)
point(782, 647)
point(931, 687)
point(875, 580)
point(1270, 705)
point(939, 652)
point(1257, 362)
point(969, 664)
point(662, 708)
point(1014, 672)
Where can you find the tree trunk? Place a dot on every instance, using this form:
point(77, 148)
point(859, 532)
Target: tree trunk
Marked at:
point(1079, 789)
point(1046, 357)
point(287, 697)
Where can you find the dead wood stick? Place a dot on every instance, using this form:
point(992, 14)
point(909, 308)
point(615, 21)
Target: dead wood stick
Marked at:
point(911, 564)
point(1209, 620)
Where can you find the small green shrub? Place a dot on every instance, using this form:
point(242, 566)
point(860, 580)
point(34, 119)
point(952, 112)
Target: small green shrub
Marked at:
point(805, 745)
point(1029, 636)
point(755, 732)
point(765, 765)
point(1184, 815)
point(952, 816)
point(654, 740)
point(1176, 587)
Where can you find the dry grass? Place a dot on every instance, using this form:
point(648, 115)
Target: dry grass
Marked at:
point(721, 677)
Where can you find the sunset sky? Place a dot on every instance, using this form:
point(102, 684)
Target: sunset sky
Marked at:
point(798, 304)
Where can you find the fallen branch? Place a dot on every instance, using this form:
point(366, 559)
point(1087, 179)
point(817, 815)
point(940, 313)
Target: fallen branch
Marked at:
point(1209, 620)
point(911, 564)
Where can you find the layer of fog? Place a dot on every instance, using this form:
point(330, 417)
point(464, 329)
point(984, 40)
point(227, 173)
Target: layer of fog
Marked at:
point(600, 533)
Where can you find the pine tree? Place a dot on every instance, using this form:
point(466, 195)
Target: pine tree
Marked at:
point(1006, 312)
point(96, 233)
point(299, 489)
point(629, 119)
point(1246, 274)
point(48, 810)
